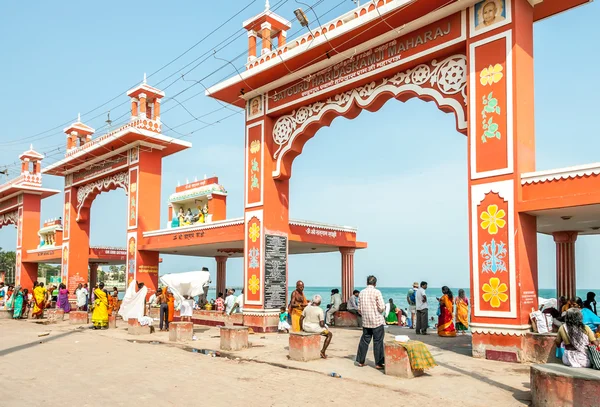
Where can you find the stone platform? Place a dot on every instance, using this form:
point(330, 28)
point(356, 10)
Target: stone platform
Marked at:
point(233, 338)
point(134, 327)
point(304, 346)
point(397, 362)
point(78, 318)
point(181, 331)
point(346, 319)
point(556, 385)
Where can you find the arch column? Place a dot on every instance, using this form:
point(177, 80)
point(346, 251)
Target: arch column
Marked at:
point(221, 273)
point(93, 275)
point(28, 224)
point(347, 272)
point(565, 264)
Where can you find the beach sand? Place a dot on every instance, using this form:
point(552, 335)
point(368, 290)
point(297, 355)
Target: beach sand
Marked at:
point(91, 368)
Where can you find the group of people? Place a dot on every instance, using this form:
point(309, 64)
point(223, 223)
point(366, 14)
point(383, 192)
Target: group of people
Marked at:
point(419, 309)
point(309, 317)
point(578, 327)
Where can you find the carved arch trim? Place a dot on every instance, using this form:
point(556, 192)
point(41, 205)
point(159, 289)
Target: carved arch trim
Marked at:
point(9, 218)
point(87, 192)
point(444, 82)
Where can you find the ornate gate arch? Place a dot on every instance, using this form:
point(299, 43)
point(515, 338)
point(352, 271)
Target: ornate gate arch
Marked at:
point(476, 65)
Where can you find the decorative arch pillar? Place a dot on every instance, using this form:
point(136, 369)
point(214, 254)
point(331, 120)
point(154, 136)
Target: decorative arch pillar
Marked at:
point(565, 264)
point(27, 220)
point(221, 274)
point(266, 224)
point(347, 272)
point(501, 143)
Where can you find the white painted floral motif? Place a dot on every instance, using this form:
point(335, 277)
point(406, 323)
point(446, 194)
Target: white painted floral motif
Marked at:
point(446, 77)
point(9, 218)
point(119, 180)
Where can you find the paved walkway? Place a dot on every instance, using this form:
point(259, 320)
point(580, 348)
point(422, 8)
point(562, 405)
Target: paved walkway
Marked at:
point(102, 367)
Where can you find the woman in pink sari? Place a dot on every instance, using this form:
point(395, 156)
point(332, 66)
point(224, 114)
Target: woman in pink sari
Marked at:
point(445, 319)
point(63, 299)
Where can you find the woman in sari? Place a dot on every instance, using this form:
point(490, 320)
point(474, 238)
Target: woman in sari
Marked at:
point(445, 325)
point(39, 301)
point(576, 337)
point(100, 313)
point(63, 299)
point(462, 312)
point(171, 304)
point(391, 317)
point(297, 305)
point(18, 301)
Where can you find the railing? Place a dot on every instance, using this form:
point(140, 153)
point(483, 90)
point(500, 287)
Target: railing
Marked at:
point(35, 179)
point(324, 29)
point(141, 123)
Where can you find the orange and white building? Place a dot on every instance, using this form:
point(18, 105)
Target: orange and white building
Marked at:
point(473, 59)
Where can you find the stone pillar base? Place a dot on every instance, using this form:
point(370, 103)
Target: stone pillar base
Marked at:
point(112, 322)
point(345, 319)
point(397, 362)
point(234, 338)
point(78, 318)
point(305, 346)
point(503, 347)
point(55, 315)
point(181, 331)
point(6, 313)
point(134, 327)
point(261, 322)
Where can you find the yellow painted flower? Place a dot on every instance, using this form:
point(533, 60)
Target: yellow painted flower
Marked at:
point(253, 284)
point(133, 187)
point(255, 146)
point(491, 75)
point(254, 233)
point(493, 219)
point(66, 254)
point(495, 292)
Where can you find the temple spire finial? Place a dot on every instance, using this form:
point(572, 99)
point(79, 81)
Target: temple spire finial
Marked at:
point(144, 77)
point(267, 5)
point(31, 146)
point(78, 117)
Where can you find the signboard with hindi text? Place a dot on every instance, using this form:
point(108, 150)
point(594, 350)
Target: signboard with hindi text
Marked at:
point(275, 287)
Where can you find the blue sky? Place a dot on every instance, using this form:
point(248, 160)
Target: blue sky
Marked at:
point(399, 175)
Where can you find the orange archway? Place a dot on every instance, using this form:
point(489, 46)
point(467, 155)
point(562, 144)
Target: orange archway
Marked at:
point(478, 67)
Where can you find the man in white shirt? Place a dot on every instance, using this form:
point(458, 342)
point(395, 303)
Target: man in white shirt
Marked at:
point(422, 309)
point(312, 321)
point(352, 306)
point(239, 303)
point(229, 302)
point(82, 297)
point(336, 301)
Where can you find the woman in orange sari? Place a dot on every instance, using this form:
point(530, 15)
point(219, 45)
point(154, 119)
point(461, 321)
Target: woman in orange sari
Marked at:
point(445, 324)
point(297, 305)
point(462, 312)
point(171, 304)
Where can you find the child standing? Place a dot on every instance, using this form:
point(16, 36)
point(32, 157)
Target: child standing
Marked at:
point(283, 321)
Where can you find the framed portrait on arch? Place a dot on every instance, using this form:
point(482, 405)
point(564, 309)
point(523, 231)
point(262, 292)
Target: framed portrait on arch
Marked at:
point(254, 107)
point(487, 15)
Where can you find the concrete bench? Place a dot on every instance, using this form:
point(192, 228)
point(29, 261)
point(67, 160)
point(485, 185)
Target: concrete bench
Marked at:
point(397, 362)
point(539, 348)
point(55, 315)
point(181, 331)
point(78, 318)
point(234, 338)
point(305, 346)
point(556, 385)
point(134, 327)
point(6, 313)
point(345, 319)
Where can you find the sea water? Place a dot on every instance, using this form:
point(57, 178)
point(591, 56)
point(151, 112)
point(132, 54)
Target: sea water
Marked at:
point(398, 294)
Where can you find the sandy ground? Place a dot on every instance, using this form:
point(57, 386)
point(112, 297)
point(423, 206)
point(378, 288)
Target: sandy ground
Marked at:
point(74, 366)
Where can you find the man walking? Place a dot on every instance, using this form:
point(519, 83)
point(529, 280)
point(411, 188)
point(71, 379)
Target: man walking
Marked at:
point(411, 298)
point(371, 307)
point(422, 309)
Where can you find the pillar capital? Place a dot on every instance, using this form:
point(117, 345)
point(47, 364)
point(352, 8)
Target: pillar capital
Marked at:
point(565, 237)
point(347, 250)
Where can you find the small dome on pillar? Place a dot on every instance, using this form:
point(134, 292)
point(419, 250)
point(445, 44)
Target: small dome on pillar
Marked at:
point(267, 26)
point(145, 101)
point(78, 132)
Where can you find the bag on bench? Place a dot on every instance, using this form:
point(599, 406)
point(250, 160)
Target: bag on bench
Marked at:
point(594, 356)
